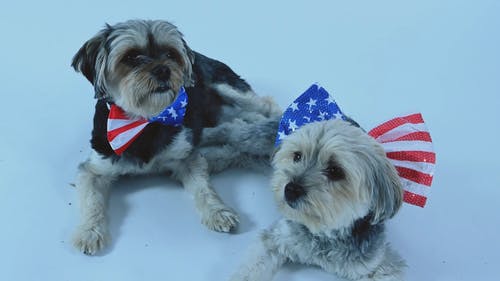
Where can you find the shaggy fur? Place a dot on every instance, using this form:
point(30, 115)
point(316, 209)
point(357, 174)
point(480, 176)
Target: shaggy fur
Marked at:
point(140, 66)
point(335, 188)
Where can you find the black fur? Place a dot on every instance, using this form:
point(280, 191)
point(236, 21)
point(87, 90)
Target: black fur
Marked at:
point(358, 245)
point(203, 108)
point(99, 140)
point(362, 241)
point(363, 230)
point(153, 138)
point(202, 111)
point(85, 59)
point(208, 71)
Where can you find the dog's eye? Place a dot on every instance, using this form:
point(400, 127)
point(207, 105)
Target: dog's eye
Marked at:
point(297, 156)
point(172, 54)
point(132, 55)
point(133, 58)
point(334, 173)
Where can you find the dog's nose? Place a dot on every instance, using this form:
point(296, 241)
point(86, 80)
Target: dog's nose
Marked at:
point(161, 72)
point(293, 192)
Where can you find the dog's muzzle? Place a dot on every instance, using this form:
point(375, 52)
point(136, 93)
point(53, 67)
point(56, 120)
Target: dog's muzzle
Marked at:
point(293, 193)
point(161, 73)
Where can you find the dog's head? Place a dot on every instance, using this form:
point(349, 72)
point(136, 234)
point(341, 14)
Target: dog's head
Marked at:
point(140, 65)
point(329, 174)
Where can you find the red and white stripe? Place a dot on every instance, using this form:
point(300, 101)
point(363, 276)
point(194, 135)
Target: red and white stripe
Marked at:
point(408, 145)
point(122, 130)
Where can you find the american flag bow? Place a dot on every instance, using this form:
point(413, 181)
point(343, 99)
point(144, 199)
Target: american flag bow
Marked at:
point(406, 140)
point(122, 130)
point(315, 104)
point(408, 145)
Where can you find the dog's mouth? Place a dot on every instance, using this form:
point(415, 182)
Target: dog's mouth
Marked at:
point(162, 88)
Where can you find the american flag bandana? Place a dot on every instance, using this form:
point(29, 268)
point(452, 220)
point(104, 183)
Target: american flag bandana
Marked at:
point(406, 140)
point(122, 131)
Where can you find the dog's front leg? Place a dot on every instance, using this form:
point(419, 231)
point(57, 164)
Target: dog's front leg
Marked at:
point(193, 173)
point(93, 188)
point(263, 260)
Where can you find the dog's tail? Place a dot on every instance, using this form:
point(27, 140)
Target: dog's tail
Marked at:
point(249, 101)
point(239, 144)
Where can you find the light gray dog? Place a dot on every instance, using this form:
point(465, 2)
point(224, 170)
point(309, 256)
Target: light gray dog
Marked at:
point(335, 188)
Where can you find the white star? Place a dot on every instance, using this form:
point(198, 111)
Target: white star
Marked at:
point(183, 103)
point(307, 118)
point(311, 103)
point(292, 125)
point(322, 115)
point(330, 99)
point(294, 106)
point(338, 115)
point(281, 135)
point(172, 112)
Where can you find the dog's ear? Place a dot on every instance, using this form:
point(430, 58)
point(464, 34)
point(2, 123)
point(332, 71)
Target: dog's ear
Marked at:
point(189, 52)
point(91, 58)
point(273, 153)
point(386, 188)
point(188, 71)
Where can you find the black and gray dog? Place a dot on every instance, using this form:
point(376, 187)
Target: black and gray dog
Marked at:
point(142, 67)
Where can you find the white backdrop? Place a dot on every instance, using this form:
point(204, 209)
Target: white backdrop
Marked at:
point(379, 58)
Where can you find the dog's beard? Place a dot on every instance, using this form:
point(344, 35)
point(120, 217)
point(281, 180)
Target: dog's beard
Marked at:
point(138, 65)
point(138, 93)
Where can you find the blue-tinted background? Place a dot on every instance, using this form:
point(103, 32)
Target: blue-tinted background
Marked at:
point(379, 58)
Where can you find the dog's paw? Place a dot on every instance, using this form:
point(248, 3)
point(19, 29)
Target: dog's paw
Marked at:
point(220, 219)
point(90, 240)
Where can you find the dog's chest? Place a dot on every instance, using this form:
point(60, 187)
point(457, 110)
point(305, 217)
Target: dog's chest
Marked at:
point(151, 141)
point(328, 251)
point(167, 160)
point(202, 111)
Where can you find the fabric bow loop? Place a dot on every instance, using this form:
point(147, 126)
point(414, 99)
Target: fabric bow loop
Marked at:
point(408, 145)
point(122, 130)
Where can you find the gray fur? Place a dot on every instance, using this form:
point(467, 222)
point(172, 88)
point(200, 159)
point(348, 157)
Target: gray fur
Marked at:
point(338, 252)
point(245, 141)
point(338, 224)
point(107, 61)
